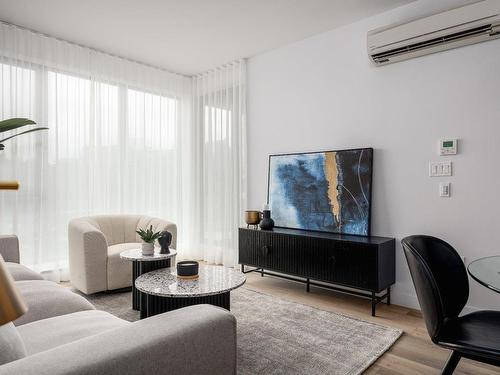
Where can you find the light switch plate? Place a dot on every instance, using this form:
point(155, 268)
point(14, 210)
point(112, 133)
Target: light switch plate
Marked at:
point(440, 169)
point(444, 189)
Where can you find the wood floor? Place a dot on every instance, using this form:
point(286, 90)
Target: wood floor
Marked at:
point(413, 353)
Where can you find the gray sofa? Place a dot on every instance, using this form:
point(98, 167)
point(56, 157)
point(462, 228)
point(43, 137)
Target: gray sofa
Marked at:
point(73, 338)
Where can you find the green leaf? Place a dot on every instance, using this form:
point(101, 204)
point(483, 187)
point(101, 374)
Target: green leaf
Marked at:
point(148, 235)
point(25, 132)
point(14, 123)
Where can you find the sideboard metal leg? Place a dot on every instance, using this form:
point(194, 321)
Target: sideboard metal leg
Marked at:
point(262, 272)
point(308, 286)
point(243, 268)
point(389, 295)
point(374, 303)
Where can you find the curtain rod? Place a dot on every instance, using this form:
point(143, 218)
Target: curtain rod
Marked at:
point(93, 49)
point(197, 75)
point(220, 67)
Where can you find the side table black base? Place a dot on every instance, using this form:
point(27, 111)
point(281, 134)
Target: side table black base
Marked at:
point(153, 305)
point(139, 268)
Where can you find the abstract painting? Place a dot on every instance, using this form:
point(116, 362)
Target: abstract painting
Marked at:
point(322, 191)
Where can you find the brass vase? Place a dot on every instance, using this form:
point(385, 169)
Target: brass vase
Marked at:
point(252, 218)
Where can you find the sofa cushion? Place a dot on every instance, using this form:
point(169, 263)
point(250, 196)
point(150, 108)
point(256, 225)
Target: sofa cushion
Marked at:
point(46, 299)
point(20, 272)
point(49, 333)
point(119, 271)
point(11, 344)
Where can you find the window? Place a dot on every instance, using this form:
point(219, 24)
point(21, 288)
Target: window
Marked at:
point(81, 114)
point(217, 123)
point(68, 114)
point(17, 89)
point(152, 119)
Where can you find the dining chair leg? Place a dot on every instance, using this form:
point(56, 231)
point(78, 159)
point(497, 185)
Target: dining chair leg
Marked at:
point(451, 363)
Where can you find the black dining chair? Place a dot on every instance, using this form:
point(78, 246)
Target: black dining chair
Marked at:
point(442, 288)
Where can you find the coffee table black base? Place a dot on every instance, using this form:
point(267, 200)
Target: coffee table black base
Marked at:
point(153, 305)
point(139, 268)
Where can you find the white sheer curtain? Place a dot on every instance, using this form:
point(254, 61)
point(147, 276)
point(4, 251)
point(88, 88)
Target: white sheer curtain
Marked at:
point(123, 138)
point(219, 115)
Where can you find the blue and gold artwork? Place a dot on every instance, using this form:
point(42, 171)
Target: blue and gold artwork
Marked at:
point(322, 191)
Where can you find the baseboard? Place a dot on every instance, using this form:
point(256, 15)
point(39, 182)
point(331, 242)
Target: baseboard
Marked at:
point(405, 299)
point(410, 300)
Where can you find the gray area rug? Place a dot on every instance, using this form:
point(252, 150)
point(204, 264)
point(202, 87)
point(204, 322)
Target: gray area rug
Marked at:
point(276, 336)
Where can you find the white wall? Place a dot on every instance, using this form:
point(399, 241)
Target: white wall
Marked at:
point(321, 93)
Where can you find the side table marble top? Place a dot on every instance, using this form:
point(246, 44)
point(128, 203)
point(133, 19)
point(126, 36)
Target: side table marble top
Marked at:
point(136, 255)
point(212, 280)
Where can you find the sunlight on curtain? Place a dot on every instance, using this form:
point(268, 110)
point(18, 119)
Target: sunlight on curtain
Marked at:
point(114, 143)
point(220, 116)
point(123, 138)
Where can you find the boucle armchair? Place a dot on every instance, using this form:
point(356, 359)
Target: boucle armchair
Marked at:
point(95, 244)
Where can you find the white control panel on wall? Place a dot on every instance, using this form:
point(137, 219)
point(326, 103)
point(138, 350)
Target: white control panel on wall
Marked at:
point(440, 169)
point(448, 147)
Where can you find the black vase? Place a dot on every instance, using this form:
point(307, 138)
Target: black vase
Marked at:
point(266, 223)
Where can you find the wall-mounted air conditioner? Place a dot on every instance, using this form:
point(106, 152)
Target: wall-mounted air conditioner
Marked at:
point(469, 24)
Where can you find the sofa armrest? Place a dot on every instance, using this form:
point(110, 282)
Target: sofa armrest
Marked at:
point(199, 339)
point(88, 252)
point(9, 248)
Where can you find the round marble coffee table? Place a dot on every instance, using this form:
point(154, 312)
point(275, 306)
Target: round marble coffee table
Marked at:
point(145, 263)
point(164, 291)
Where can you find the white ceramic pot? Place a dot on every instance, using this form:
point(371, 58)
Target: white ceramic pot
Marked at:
point(148, 248)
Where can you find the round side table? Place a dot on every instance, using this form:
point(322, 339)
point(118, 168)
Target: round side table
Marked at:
point(145, 263)
point(162, 291)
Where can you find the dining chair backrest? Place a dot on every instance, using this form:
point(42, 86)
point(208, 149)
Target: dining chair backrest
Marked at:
point(439, 277)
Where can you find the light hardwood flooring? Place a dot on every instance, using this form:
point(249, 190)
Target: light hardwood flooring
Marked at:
point(413, 353)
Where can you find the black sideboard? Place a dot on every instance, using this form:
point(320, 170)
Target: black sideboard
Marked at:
point(366, 264)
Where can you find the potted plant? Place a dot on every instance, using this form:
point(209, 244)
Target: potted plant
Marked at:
point(15, 123)
point(8, 125)
point(149, 237)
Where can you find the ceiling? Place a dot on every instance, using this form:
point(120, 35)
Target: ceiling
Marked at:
point(187, 36)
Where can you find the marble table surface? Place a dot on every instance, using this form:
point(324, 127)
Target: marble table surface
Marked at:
point(136, 255)
point(212, 280)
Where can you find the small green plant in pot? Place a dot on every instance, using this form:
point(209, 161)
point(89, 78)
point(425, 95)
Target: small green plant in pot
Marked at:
point(149, 237)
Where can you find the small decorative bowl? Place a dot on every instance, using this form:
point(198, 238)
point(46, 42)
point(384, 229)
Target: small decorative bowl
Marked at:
point(252, 217)
point(187, 269)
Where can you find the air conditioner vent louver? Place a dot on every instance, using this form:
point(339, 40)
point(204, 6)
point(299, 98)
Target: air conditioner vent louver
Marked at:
point(483, 30)
point(474, 23)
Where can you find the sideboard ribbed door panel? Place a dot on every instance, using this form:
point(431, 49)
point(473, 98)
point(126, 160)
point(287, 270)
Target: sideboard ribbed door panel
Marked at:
point(272, 251)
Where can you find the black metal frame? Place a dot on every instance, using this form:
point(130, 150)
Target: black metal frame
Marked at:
point(153, 305)
point(375, 299)
point(320, 152)
point(139, 268)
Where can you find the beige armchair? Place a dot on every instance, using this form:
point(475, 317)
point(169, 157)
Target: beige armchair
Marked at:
point(95, 244)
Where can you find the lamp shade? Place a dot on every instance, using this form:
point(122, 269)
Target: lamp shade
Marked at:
point(12, 305)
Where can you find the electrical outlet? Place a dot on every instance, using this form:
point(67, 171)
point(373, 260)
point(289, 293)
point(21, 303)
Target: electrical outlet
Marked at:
point(444, 189)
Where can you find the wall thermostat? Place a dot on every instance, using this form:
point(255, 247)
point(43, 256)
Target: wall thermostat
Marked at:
point(448, 147)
